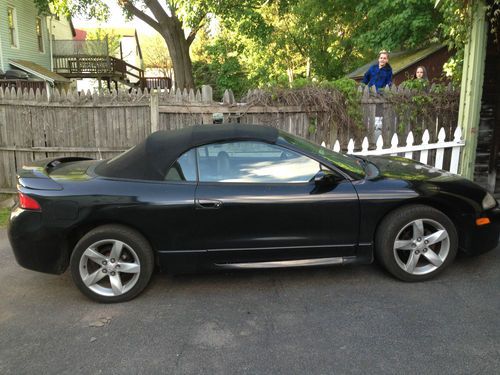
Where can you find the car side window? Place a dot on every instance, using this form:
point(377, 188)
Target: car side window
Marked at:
point(184, 168)
point(254, 162)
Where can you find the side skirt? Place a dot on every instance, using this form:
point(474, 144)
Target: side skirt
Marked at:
point(290, 263)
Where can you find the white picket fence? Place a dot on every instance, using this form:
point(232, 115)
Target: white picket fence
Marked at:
point(409, 149)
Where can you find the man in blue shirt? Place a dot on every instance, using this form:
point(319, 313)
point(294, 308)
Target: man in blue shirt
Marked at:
point(379, 75)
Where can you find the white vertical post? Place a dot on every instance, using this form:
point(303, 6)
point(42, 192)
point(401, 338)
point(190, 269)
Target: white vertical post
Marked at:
point(350, 146)
point(455, 151)
point(409, 143)
point(440, 151)
point(336, 146)
point(380, 145)
point(394, 144)
point(424, 154)
point(364, 145)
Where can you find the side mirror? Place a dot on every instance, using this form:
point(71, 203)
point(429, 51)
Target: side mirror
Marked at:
point(324, 178)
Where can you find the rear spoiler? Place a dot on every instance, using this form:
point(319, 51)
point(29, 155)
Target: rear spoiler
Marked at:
point(35, 175)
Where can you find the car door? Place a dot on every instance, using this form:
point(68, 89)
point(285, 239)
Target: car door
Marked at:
point(257, 201)
point(165, 209)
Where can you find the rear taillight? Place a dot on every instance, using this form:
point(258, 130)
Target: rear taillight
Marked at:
point(28, 203)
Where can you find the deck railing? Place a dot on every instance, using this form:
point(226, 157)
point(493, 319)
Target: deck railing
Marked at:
point(158, 83)
point(80, 47)
point(80, 65)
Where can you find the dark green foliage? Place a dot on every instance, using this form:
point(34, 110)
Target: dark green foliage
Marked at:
point(352, 97)
point(422, 104)
point(396, 24)
point(221, 68)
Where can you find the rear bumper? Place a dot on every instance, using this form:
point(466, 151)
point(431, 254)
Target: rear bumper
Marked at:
point(35, 246)
point(484, 238)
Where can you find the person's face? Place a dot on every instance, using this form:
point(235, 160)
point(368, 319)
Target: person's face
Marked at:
point(383, 59)
point(419, 73)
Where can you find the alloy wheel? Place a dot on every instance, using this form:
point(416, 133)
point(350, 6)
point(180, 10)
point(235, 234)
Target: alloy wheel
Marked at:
point(109, 267)
point(421, 246)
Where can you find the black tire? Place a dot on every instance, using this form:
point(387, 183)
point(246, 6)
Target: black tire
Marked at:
point(396, 225)
point(135, 255)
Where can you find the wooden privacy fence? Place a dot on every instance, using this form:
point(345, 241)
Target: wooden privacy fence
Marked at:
point(388, 114)
point(100, 125)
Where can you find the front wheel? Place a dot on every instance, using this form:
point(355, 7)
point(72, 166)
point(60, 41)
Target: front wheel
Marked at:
point(112, 263)
point(416, 243)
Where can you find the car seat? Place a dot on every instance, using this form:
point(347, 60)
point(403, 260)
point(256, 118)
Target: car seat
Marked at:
point(223, 164)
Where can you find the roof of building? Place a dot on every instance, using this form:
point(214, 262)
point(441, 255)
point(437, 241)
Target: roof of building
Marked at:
point(400, 60)
point(80, 34)
point(123, 31)
point(38, 71)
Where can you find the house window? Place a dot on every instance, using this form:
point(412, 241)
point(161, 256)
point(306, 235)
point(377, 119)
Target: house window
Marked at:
point(12, 22)
point(39, 35)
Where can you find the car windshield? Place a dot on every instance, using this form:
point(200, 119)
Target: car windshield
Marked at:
point(351, 165)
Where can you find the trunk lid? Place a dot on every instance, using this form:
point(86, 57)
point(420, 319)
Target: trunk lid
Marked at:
point(43, 174)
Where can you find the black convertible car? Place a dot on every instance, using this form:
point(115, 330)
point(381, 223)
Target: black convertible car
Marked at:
point(241, 196)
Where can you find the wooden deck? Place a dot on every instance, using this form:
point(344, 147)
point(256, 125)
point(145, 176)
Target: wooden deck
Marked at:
point(107, 68)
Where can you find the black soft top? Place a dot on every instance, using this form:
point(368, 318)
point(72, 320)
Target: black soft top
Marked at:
point(151, 158)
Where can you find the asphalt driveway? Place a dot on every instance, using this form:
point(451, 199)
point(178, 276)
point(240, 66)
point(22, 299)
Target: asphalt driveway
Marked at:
point(351, 319)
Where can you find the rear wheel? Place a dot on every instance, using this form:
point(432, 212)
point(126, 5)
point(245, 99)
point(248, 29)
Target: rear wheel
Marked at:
point(416, 242)
point(112, 263)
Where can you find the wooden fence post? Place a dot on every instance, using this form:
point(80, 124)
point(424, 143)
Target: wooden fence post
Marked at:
point(155, 111)
point(206, 94)
point(207, 98)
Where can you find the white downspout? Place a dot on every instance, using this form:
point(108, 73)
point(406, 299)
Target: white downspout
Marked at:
point(1, 56)
point(50, 44)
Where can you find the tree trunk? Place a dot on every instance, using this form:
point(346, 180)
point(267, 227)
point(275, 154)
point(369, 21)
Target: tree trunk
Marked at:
point(170, 28)
point(178, 47)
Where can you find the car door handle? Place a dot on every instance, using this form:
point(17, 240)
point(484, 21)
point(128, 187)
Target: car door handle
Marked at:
point(208, 204)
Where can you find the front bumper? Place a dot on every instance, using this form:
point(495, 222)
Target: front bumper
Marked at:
point(483, 238)
point(36, 246)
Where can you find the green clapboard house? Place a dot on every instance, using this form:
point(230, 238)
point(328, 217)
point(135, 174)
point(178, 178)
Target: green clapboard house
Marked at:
point(25, 44)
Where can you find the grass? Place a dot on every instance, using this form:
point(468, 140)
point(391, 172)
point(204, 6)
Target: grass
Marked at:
point(4, 211)
point(4, 217)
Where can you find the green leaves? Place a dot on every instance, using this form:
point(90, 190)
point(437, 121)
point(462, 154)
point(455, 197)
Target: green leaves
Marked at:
point(91, 9)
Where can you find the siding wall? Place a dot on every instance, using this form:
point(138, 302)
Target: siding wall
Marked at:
point(60, 28)
point(27, 48)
